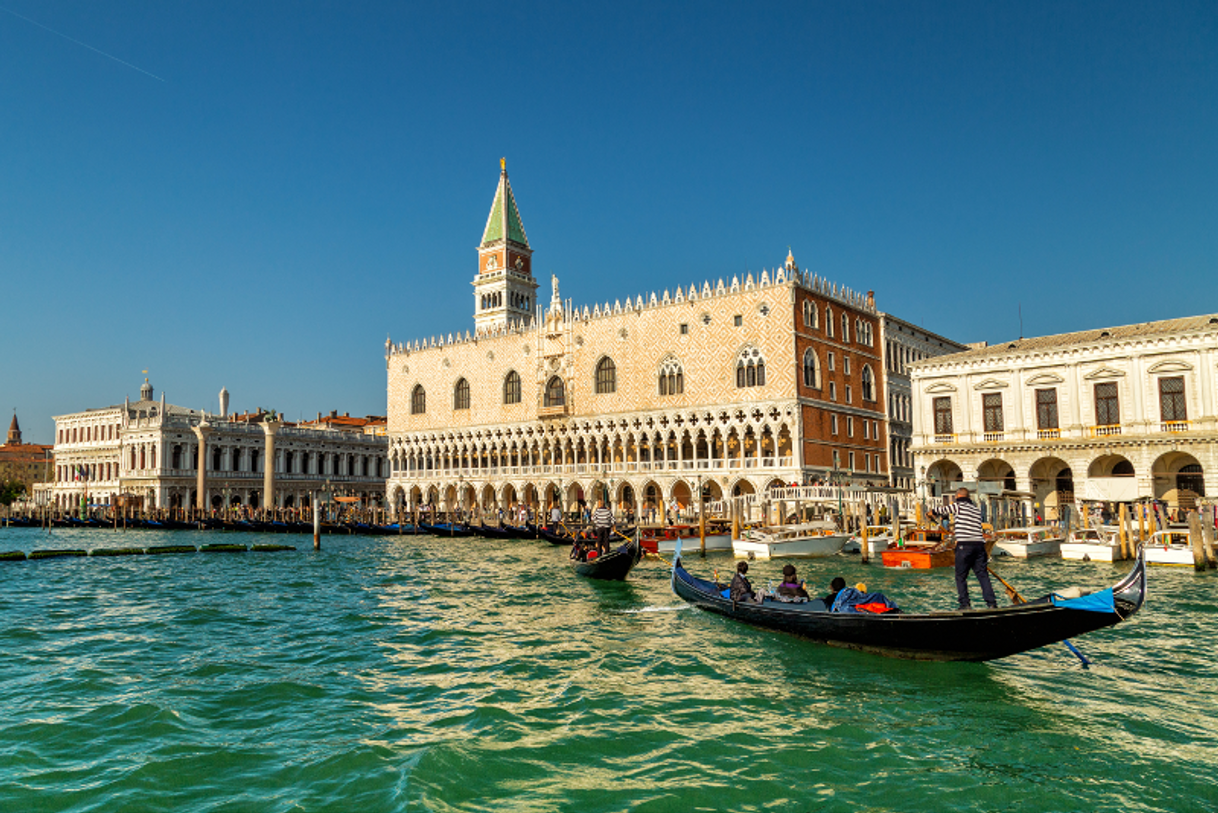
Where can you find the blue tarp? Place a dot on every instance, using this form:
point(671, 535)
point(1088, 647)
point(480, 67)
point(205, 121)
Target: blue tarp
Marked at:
point(848, 597)
point(1100, 602)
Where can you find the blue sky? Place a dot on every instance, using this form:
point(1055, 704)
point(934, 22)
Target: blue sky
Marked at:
point(253, 195)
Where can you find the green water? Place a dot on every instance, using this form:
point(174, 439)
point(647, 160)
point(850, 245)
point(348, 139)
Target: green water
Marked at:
point(423, 674)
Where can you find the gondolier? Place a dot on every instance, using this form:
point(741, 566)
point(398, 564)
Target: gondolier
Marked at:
point(970, 547)
point(602, 523)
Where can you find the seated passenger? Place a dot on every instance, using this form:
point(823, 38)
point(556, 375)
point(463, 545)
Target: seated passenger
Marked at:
point(741, 590)
point(791, 586)
point(836, 586)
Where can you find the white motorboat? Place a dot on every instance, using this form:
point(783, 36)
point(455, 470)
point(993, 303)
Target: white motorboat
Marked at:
point(809, 540)
point(879, 537)
point(1090, 545)
point(1026, 543)
point(1169, 548)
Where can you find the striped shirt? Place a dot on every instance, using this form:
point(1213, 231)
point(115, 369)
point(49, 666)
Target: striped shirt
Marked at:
point(602, 517)
point(968, 521)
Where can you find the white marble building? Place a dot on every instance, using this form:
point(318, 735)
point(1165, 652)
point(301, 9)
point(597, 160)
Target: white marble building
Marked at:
point(147, 451)
point(1115, 414)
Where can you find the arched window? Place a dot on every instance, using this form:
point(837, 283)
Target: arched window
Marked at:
point(418, 400)
point(606, 376)
point(672, 378)
point(845, 327)
point(809, 313)
point(829, 321)
point(868, 383)
point(750, 368)
point(554, 395)
point(511, 388)
point(811, 369)
point(461, 394)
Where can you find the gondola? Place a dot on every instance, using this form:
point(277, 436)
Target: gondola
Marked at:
point(554, 537)
point(446, 529)
point(522, 531)
point(614, 565)
point(491, 532)
point(962, 635)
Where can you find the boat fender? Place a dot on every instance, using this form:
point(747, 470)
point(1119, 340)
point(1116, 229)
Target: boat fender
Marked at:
point(592, 555)
point(861, 587)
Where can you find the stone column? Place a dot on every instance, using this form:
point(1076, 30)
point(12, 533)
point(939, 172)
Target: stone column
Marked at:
point(201, 432)
point(270, 427)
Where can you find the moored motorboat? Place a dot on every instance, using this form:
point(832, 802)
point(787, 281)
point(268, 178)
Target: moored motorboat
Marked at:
point(960, 635)
point(1090, 545)
point(879, 538)
point(920, 549)
point(809, 540)
point(664, 539)
point(1028, 543)
point(1169, 548)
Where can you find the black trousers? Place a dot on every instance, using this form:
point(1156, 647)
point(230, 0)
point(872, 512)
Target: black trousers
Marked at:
point(973, 557)
point(602, 538)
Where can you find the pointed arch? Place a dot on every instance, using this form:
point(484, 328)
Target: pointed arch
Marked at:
point(461, 394)
point(606, 376)
point(811, 369)
point(418, 400)
point(511, 387)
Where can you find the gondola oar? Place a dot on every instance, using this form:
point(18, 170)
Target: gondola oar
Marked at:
point(1018, 599)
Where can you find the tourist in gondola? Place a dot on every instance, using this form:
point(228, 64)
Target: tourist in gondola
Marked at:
point(836, 586)
point(602, 523)
point(970, 548)
point(740, 589)
point(791, 587)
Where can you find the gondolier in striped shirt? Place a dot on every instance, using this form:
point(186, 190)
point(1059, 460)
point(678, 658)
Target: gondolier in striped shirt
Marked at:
point(970, 547)
point(602, 522)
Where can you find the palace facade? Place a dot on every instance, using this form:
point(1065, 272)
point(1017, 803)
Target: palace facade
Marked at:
point(147, 452)
point(729, 385)
point(1115, 415)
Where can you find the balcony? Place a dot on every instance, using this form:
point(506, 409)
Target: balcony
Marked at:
point(1105, 431)
point(945, 438)
point(556, 411)
point(993, 437)
point(1048, 434)
point(1174, 426)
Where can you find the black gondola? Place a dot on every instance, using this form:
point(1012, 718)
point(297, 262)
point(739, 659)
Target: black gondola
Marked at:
point(614, 565)
point(558, 537)
point(446, 529)
point(962, 635)
point(522, 531)
point(491, 532)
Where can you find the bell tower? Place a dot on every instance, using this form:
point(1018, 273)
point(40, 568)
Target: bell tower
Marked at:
point(504, 290)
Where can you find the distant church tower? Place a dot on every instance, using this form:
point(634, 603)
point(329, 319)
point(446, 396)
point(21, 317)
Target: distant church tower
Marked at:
point(504, 290)
point(14, 433)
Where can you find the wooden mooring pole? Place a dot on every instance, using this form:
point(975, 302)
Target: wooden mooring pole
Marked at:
point(1126, 548)
point(1194, 538)
point(316, 524)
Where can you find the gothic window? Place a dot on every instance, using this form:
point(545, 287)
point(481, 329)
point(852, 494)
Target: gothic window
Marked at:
point(868, 383)
point(1107, 404)
point(672, 378)
point(554, 394)
point(606, 376)
point(750, 368)
point(461, 394)
point(943, 415)
point(991, 409)
point(845, 327)
point(829, 321)
point(1171, 399)
point(810, 314)
point(1046, 409)
point(811, 369)
point(511, 388)
point(418, 400)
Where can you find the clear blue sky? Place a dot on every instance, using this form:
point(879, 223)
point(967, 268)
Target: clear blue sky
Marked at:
point(253, 195)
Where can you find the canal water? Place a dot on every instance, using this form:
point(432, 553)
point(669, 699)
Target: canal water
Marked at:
point(427, 674)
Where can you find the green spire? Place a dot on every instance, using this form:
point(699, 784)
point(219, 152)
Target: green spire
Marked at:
point(505, 217)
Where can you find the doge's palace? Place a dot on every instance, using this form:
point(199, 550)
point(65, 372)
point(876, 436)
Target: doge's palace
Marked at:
point(732, 385)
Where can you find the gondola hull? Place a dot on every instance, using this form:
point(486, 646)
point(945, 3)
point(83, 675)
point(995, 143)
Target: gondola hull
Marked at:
point(613, 566)
point(554, 538)
point(969, 635)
